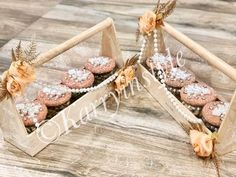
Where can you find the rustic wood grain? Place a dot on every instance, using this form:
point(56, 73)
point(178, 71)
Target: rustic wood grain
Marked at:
point(142, 139)
point(17, 15)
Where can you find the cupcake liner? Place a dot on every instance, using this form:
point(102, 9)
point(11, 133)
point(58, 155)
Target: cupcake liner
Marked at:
point(212, 128)
point(52, 111)
point(99, 78)
point(156, 71)
point(196, 110)
point(174, 91)
point(75, 96)
point(30, 129)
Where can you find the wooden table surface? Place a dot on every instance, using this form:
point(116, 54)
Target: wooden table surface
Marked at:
point(142, 139)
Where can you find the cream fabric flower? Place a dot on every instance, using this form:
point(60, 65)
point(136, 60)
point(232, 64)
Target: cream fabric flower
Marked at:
point(22, 71)
point(125, 77)
point(202, 143)
point(13, 87)
point(147, 23)
point(18, 76)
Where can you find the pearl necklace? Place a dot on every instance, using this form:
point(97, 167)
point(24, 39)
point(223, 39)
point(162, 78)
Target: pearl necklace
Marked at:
point(144, 45)
point(84, 90)
point(104, 83)
point(169, 95)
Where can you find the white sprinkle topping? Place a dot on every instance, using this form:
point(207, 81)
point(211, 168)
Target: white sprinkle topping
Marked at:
point(55, 91)
point(177, 73)
point(29, 110)
point(220, 109)
point(79, 74)
point(160, 59)
point(99, 61)
point(195, 89)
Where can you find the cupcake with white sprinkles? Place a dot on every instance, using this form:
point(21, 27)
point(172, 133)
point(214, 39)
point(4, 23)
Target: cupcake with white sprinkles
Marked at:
point(194, 96)
point(176, 78)
point(32, 113)
point(55, 97)
point(78, 79)
point(161, 61)
point(102, 67)
point(213, 114)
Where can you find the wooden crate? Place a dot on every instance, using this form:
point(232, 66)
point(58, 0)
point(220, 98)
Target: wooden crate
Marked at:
point(12, 125)
point(227, 132)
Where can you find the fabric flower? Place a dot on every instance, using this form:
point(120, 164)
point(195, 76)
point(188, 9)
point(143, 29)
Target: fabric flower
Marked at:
point(13, 87)
point(17, 77)
point(129, 73)
point(202, 143)
point(147, 23)
point(124, 78)
point(120, 81)
point(22, 72)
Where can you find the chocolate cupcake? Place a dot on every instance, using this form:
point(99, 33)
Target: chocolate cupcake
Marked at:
point(213, 114)
point(55, 97)
point(194, 96)
point(78, 78)
point(32, 113)
point(101, 66)
point(176, 78)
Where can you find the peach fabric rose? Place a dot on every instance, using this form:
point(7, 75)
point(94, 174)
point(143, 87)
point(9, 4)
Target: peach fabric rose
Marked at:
point(202, 143)
point(124, 78)
point(4, 76)
point(22, 72)
point(120, 82)
point(147, 23)
point(129, 73)
point(18, 76)
point(13, 87)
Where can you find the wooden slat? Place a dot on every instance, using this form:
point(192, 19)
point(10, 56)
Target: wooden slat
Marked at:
point(201, 51)
point(17, 15)
point(142, 139)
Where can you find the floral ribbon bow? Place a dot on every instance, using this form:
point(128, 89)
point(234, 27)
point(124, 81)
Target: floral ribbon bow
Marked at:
point(20, 74)
point(153, 19)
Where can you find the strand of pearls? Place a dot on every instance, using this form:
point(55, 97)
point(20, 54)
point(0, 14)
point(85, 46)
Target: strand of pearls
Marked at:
point(104, 83)
point(144, 44)
point(162, 79)
point(174, 102)
point(141, 54)
point(155, 42)
point(84, 90)
point(36, 123)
